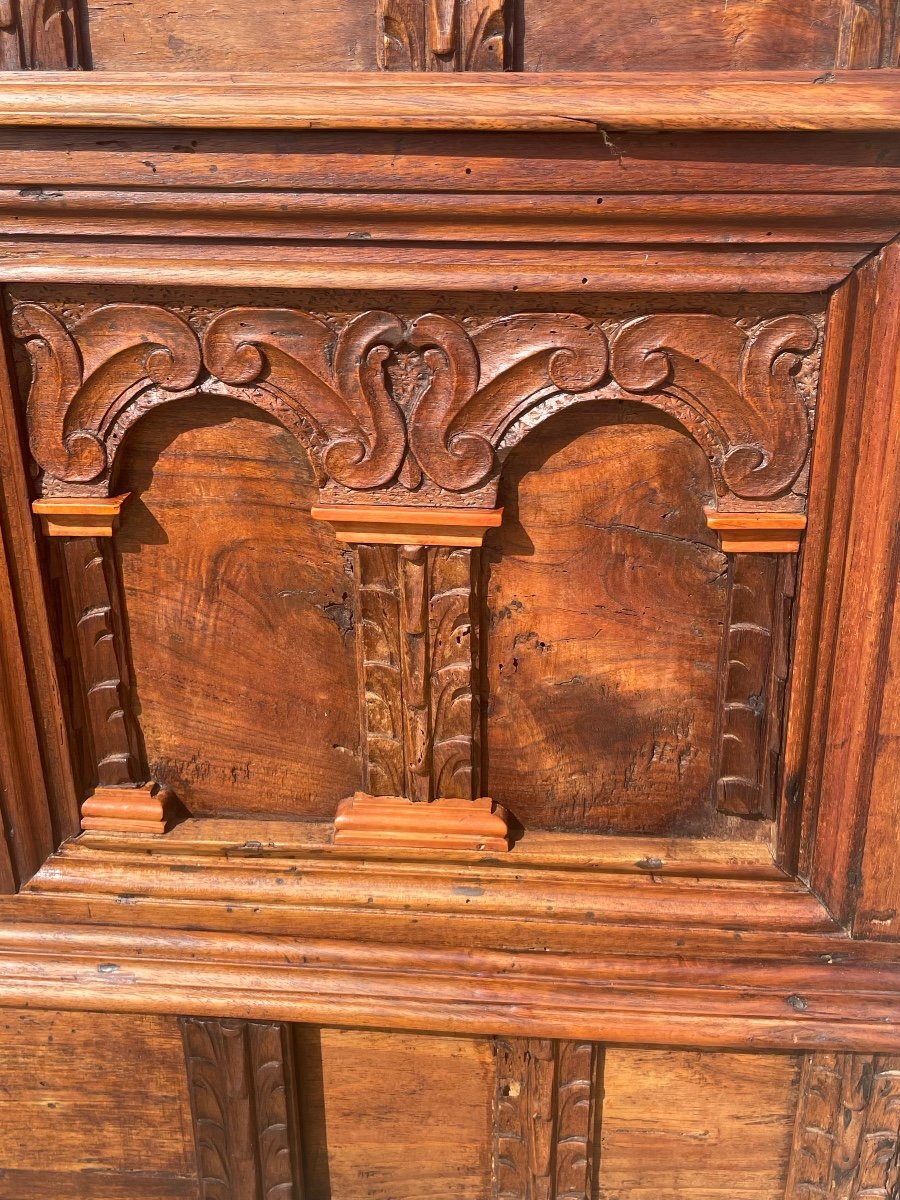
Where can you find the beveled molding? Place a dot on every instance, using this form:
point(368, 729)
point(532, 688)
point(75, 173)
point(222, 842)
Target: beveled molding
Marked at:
point(568, 102)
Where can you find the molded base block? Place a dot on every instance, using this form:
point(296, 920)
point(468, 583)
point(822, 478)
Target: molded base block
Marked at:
point(147, 808)
point(393, 821)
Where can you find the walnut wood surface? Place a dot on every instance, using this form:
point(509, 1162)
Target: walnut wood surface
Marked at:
point(565, 102)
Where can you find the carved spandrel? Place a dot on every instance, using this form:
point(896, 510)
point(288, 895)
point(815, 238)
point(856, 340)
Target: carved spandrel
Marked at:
point(244, 1107)
point(475, 393)
point(545, 1119)
point(847, 1131)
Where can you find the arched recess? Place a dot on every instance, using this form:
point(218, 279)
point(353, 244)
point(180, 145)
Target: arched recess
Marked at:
point(606, 600)
point(239, 614)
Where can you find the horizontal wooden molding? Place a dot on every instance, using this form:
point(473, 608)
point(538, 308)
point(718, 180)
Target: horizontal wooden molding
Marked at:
point(565, 103)
point(82, 516)
point(403, 525)
point(757, 533)
point(388, 821)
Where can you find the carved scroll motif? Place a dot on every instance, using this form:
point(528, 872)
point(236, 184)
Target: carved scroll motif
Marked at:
point(847, 1130)
point(416, 638)
point(733, 390)
point(545, 1119)
point(440, 429)
point(241, 1082)
point(754, 679)
point(39, 35)
point(444, 35)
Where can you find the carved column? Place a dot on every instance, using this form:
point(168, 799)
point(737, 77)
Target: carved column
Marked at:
point(445, 35)
point(417, 639)
point(40, 35)
point(756, 640)
point(123, 801)
point(847, 1131)
point(546, 1106)
point(244, 1108)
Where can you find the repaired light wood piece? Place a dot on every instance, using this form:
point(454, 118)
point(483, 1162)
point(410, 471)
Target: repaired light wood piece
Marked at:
point(79, 516)
point(399, 525)
point(145, 808)
point(398, 822)
point(757, 533)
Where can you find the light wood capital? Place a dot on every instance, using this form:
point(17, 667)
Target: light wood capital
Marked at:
point(396, 525)
point(757, 533)
point(79, 516)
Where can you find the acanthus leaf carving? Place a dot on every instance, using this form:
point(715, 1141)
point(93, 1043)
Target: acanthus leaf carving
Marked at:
point(337, 382)
point(83, 378)
point(733, 389)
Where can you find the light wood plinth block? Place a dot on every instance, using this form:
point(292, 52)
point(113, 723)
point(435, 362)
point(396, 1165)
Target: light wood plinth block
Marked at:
point(144, 809)
point(403, 525)
point(79, 516)
point(757, 533)
point(392, 821)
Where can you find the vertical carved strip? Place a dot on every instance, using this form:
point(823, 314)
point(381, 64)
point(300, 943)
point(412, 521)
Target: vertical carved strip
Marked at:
point(379, 659)
point(847, 1131)
point(454, 673)
point(754, 674)
point(401, 35)
point(416, 673)
point(544, 1119)
point(486, 35)
point(39, 35)
point(94, 597)
point(242, 1087)
point(868, 34)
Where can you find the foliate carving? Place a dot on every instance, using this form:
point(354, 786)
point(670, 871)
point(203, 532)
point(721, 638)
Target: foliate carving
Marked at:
point(416, 634)
point(84, 379)
point(753, 680)
point(423, 409)
point(444, 35)
point(732, 388)
point(39, 35)
point(91, 583)
point(847, 1130)
point(241, 1082)
point(545, 1119)
point(379, 659)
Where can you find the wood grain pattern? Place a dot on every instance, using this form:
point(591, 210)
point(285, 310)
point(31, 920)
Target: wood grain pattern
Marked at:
point(394, 1116)
point(241, 1079)
point(861, 101)
point(847, 1130)
point(220, 563)
point(754, 674)
point(869, 34)
point(679, 1123)
point(75, 1120)
point(545, 1130)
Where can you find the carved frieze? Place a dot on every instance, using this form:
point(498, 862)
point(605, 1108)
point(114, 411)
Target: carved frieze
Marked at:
point(424, 410)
